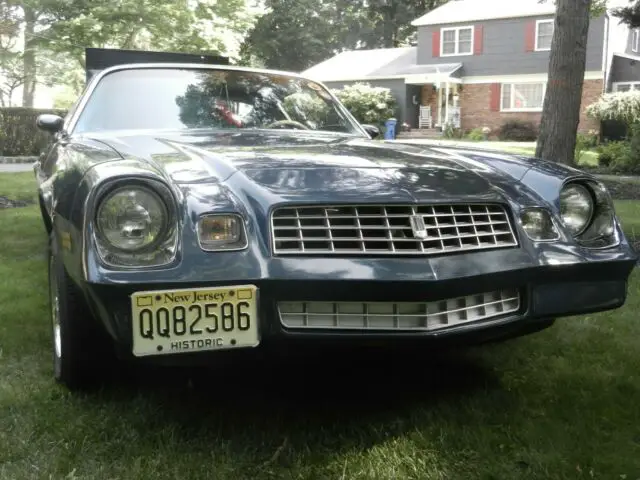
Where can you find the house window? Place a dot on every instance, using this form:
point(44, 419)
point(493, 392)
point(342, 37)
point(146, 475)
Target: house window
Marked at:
point(523, 97)
point(626, 86)
point(544, 34)
point(634, 40)
point(456, 41)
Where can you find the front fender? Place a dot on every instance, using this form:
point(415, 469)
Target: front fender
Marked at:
point(547, 178)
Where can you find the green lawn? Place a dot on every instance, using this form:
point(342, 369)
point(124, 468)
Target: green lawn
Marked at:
point(588, 157)
point(18, 186)
point(629, 213)
point(561, 404)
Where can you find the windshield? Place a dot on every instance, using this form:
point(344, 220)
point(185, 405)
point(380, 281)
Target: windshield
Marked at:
point(172, 98)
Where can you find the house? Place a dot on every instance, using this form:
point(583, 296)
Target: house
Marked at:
point(481, 63)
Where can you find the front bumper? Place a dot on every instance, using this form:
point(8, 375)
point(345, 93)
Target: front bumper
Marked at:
point(553, 288)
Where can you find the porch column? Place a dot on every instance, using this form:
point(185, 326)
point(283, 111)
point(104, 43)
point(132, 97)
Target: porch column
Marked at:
point(446, 105)
point(438, 112)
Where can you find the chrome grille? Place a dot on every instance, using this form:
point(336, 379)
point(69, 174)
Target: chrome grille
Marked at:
point(412, 316)
point(387, 229)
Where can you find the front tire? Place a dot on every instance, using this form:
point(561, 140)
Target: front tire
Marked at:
point(81, 351)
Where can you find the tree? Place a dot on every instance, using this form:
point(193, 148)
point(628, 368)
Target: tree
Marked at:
point(629, 15)
point(561, 107)
point(60, 30)
point(10, 55)
point(296, 34)
point(391, 20)
point(175, 25)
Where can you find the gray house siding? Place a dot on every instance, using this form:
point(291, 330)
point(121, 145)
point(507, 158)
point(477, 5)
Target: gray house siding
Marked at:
point(504, 48)
point(625, 70)
point(398, 90)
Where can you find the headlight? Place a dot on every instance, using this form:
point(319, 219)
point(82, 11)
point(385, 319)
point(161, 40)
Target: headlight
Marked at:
point(136, 225)
point(576, 207)
point(221, 232)
point(132, 218)
point(602, 232)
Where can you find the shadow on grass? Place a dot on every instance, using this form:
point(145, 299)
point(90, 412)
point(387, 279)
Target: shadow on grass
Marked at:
point(324, 402)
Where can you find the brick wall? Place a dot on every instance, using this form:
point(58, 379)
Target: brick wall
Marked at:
point(476, 113)
point(591, 91)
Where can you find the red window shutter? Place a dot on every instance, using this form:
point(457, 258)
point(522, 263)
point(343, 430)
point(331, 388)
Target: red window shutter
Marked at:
point(530, 36)
point(494, 97)
point(478, 37)
point(435, 44)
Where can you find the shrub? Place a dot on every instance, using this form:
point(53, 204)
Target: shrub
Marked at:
point(373, 105)
point(632, 163)
point(476, 135)
point(518, 131)
point(622, 156)
point(619, 106)
point(584, 141)
point(451, 132)
point(611, 153)
point(20, 136)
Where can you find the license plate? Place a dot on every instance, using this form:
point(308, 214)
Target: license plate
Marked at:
point(167, 322)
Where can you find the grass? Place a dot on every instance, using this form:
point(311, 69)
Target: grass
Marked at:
point(560, 404)
point(587, 157)
point(20, 186)
point(629, 213)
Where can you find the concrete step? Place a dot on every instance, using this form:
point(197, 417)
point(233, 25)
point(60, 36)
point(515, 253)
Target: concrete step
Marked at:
point(420, 133)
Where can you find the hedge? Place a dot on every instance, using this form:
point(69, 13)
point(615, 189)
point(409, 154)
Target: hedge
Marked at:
point(19, 135)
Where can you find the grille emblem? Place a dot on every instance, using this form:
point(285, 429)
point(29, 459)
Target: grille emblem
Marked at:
point(418, 227)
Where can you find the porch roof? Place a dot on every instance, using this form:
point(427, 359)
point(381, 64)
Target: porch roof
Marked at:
point(360, 64)
point(421, 74)
point(388, 63)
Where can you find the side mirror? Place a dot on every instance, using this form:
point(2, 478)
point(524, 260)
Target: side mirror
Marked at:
point(49, 122)
point(372, 130)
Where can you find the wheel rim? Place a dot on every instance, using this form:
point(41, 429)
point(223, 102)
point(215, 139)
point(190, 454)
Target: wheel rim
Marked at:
point(55, 313)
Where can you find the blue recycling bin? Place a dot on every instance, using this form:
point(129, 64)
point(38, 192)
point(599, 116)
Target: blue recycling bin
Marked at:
point(390, 129)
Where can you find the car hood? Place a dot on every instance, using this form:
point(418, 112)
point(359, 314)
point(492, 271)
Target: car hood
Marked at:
point(307, 165)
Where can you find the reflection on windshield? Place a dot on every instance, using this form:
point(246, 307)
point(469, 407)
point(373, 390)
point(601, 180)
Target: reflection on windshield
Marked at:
point(153, 98)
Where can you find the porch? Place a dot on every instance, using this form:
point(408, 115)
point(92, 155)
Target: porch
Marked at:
point(438, 97)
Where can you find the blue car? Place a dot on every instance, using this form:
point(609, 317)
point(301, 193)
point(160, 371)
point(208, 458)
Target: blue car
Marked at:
point(199, 209)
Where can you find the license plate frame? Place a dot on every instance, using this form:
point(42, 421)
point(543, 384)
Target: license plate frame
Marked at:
point(194, 320)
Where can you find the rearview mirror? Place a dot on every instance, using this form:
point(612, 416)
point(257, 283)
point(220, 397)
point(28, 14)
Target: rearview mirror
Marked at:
point(49, 122)
point(372, 130)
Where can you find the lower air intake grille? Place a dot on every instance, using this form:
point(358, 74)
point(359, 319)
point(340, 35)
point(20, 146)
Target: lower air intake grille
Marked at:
point(416, 316)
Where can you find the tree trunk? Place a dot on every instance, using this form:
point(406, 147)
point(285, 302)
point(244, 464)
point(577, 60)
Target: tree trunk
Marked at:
point(561, 108)
point(29, 58)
